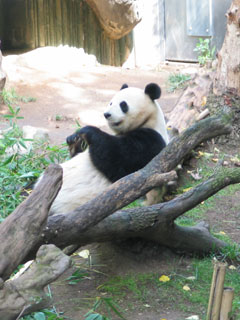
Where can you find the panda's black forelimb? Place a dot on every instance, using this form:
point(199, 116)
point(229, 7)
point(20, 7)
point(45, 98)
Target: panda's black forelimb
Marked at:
point(118, 156)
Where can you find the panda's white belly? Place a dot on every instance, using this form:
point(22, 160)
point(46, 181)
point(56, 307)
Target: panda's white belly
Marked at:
point(81, 183)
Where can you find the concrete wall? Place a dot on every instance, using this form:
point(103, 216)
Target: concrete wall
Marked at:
point(149, 42)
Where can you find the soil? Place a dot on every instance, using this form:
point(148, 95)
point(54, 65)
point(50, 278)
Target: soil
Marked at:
point(65, 91)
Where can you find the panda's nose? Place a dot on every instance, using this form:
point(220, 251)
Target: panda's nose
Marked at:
point(107, 115)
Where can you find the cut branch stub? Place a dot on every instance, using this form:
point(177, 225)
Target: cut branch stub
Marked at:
point(26, 294)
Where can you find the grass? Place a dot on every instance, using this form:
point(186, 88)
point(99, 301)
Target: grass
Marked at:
point(178, 81)
point(188, 288)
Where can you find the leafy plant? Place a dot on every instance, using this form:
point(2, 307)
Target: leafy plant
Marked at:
point(77, 276)
point(10, 97)
point(204, 51)
point(177, 81)
point(19, 169)
point(45, 314)
point(109, 304)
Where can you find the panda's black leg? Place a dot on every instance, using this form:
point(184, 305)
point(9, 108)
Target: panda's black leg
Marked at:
point(85, 135)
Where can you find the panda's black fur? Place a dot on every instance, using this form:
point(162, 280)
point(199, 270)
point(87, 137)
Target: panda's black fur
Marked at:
point(118, 156)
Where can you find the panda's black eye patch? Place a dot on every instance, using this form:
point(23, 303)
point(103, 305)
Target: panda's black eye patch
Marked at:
point(124, 106)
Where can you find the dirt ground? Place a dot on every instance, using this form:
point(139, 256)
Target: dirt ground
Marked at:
point(67, 89)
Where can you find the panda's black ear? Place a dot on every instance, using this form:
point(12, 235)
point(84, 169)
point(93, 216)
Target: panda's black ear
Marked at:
point(153, 90)
point(124, 86)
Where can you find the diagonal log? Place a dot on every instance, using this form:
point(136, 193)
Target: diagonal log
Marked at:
point(19, 231)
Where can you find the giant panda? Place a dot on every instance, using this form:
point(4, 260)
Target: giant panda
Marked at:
point(140, 134)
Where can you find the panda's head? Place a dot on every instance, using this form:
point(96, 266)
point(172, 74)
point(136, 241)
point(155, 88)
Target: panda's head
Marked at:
point(133, 108)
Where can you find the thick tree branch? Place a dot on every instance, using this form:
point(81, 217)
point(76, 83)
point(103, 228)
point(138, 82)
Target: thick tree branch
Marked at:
point(19, 231)
point(156, 222)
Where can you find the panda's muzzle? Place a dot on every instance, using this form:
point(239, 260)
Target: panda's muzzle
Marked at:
point(107, 115)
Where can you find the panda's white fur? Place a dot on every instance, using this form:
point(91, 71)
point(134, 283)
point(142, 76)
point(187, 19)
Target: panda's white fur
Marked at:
point(81, 180)
point(143, 113)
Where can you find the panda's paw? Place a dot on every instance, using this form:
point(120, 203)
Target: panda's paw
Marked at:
point(84, 133)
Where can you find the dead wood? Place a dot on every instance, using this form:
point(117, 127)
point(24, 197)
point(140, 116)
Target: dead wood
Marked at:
point(191, 103)
point(19, 231)
point(117, 17)
point(25, 293)
point(64, 230)
point(228, 70)
point(156, 223)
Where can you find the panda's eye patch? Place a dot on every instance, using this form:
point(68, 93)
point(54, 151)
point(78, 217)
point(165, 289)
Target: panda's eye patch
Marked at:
point(124, 106)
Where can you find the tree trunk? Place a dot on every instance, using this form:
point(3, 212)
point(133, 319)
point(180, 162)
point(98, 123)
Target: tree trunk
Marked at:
point(228, 71)
point(117, 17)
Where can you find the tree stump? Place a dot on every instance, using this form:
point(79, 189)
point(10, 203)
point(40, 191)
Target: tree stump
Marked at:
point(228, 70)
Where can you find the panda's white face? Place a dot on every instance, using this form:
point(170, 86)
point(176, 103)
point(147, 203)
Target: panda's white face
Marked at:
point(129, 109)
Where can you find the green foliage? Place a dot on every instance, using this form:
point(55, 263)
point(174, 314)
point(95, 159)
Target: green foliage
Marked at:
point(10, 97)
point(106, 303)
point(19, 169)
point(45, 314)
point(204, 51)
point(77, 276)
point(177, 81)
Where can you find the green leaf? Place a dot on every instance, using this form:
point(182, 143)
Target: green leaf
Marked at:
point(8, 160)
point(39, 316)
point(22, 144)
point(114, 307)
point(94, 316)
point(8, 116)
point(30, 174)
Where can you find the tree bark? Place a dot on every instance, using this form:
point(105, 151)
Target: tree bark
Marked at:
point(189, 105)
point(117, 17)
point(25, 294)
point(228, 71)
point(156, 223)
point(19, 231)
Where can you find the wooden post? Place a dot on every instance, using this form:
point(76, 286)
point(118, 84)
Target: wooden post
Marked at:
point(216, 292)
point(226, 306)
